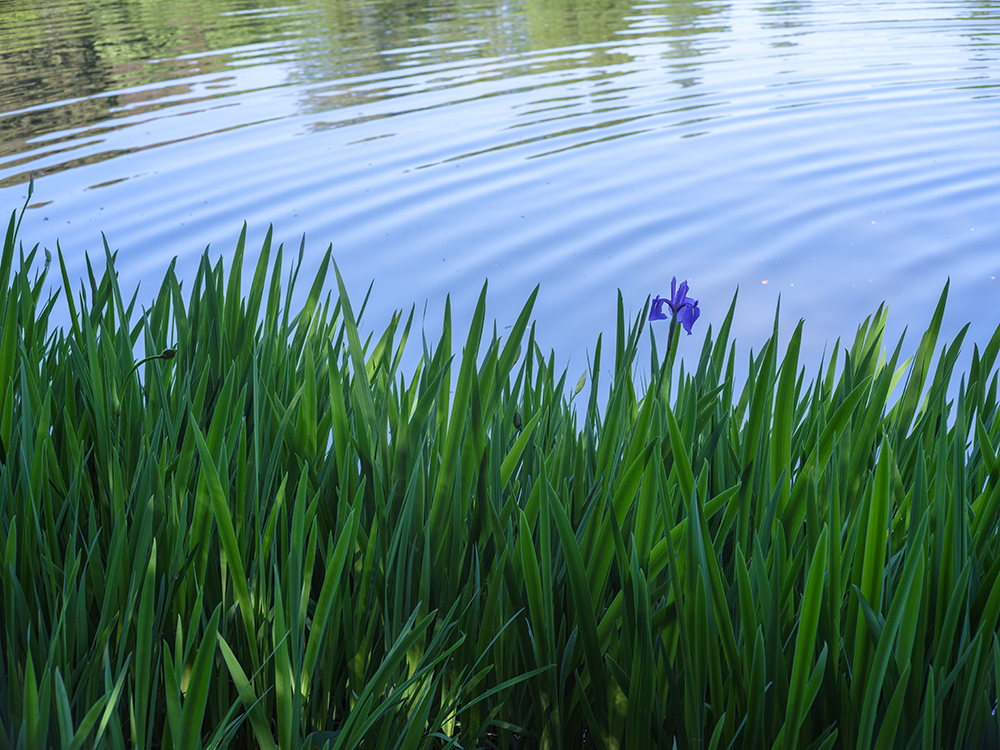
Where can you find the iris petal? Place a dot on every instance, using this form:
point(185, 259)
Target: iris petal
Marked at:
point(682, 308)
point(688, 315)
point(656, 312)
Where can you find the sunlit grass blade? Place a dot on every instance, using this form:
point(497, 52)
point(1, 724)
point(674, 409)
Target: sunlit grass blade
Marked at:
point(261, 731)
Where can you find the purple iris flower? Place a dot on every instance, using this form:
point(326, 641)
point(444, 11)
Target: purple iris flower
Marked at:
point(682, 307)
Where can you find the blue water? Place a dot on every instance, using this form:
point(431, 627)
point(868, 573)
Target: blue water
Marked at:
point(837, 154)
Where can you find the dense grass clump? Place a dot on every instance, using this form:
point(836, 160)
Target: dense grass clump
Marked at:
point(268, 536)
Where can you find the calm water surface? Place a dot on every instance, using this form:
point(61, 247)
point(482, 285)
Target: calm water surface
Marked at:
point(836, 153)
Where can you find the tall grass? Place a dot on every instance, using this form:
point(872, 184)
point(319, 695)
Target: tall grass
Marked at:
point(274, 538)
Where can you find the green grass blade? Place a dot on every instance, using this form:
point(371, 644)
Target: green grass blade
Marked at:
point(805, 646)
point(193, 712)
point(227, 535)
point(584, 605)
point(261, 730)
point(912, 570)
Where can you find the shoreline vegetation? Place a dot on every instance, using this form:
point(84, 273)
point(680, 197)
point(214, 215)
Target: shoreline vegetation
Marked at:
point(269, 536)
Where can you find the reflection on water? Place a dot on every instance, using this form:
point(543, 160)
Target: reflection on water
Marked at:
point(74, 73)
point(839, 153)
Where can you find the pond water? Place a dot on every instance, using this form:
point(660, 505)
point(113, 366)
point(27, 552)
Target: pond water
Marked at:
point(834, 153)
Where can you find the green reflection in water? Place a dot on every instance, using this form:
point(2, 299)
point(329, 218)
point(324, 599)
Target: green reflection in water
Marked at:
point(68, 67)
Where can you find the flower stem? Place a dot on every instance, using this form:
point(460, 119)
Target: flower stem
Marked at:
point(666, 372)
point(672, 338)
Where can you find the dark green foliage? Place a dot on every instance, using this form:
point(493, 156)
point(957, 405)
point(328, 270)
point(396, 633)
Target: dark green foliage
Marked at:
point(275, 538)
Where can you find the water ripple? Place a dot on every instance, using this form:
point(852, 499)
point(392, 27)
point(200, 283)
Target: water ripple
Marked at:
point(839, 153)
